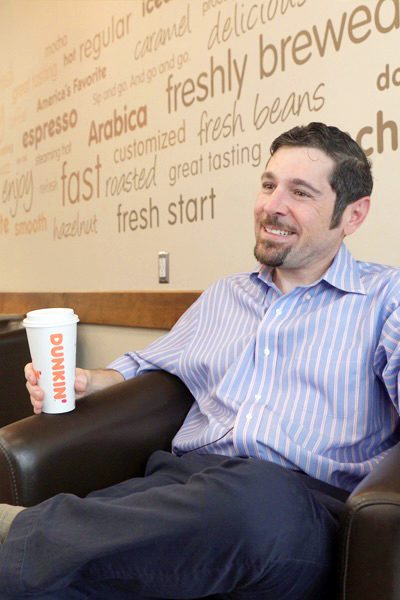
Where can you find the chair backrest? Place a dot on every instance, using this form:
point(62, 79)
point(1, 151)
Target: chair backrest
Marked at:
point(14, 354)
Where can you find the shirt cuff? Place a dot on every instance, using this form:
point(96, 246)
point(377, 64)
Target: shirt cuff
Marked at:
point(126, 365)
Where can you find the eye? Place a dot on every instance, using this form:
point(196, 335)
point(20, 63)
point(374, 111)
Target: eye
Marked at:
point(301, 194)
point(267, 185)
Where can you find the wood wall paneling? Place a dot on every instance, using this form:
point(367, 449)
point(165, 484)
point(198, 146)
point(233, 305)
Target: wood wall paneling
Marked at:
point(153, 310)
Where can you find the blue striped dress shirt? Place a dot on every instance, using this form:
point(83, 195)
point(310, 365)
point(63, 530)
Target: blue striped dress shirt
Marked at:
point(308, 380)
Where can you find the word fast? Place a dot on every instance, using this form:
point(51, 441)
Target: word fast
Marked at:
point(220, 78)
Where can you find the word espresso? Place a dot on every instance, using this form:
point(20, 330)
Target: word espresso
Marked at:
point(50, 128)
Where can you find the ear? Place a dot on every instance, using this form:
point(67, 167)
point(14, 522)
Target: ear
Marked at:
point(355, 214)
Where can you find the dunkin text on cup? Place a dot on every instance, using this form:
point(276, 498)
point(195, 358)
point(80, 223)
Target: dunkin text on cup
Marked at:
point(57, 368)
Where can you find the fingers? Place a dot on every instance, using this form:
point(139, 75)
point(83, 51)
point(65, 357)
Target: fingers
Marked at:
point(92, 380)
point(30, 374)
point(86, 381)
point(35, 392)
point(82, 381)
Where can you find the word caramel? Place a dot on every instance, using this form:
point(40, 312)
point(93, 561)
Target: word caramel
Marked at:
point(58, 369)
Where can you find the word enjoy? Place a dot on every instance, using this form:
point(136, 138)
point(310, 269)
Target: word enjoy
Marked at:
point(18, 192)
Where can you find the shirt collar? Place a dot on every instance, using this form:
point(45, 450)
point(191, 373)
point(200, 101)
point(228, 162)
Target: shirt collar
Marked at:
point(344, 273)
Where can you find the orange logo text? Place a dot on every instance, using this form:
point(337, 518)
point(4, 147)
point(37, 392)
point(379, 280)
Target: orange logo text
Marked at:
point(57, 369)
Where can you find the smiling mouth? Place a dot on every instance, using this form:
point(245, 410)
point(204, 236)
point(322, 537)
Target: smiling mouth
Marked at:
point(277, 232)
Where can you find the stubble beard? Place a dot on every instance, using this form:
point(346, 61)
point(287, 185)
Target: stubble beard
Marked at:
point(268, 252)
point(270, 255)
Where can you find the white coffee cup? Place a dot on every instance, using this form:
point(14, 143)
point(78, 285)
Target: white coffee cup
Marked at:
point(52, 343)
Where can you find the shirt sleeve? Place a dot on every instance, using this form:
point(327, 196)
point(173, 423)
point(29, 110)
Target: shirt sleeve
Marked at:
point(387, 357)
point(164, 353)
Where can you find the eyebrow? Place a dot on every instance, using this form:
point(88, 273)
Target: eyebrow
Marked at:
point(295, 181)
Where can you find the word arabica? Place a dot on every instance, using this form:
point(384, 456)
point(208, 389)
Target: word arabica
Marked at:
point(119, 124)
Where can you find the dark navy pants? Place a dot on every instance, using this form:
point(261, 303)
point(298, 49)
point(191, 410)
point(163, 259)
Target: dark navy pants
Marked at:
point(194, 526)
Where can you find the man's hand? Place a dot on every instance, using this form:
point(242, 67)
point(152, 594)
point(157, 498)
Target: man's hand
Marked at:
point(86, 382)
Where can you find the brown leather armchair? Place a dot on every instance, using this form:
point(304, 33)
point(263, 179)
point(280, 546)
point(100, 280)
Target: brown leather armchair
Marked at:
point(110, 435)
point(14, 354)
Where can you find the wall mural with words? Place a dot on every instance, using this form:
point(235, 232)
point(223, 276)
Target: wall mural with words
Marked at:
point(146, 126)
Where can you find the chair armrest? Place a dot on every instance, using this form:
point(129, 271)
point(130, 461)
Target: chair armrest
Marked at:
point(107, 439)
point(370, 552)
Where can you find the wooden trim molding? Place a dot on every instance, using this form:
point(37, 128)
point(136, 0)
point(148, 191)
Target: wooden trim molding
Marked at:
point(153, 310)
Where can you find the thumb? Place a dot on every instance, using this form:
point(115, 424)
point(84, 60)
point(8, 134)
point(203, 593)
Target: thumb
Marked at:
point(81, 382)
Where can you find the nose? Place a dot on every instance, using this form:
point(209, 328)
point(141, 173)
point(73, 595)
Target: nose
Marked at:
point(275, 202)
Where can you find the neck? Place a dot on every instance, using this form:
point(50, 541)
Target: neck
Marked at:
point(288, 279)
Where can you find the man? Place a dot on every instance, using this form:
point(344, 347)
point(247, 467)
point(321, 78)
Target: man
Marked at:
point(294, 368)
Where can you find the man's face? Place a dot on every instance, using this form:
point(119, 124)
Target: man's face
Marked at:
point(293, 212)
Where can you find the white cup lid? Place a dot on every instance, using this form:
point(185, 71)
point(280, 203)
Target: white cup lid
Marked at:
point(47, 317)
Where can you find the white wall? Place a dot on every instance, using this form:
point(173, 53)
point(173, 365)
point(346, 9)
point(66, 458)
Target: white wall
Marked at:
point(98, 345)
point(133, 126)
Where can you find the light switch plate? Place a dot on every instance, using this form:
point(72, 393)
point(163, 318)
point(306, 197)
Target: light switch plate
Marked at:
point(163, 267)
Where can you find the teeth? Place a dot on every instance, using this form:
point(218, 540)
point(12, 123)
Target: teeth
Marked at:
point(277, 231)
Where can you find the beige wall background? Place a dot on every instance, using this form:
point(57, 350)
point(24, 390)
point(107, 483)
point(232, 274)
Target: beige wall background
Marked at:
point(133, 126)
point(98, 345)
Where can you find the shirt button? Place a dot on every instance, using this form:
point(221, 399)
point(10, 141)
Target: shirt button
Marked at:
point(248, 416)
point(257, 396)
point(308, 296)
point(278, 311)
point(267, 352)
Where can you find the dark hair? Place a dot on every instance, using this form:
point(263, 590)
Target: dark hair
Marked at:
point(351, 177)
